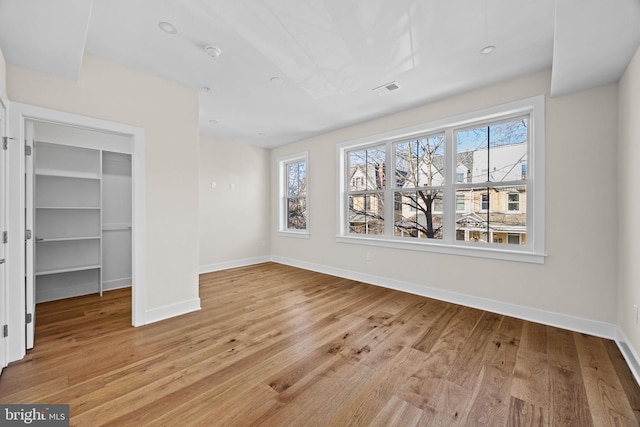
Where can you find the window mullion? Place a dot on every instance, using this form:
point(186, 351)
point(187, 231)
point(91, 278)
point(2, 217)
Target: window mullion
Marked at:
point(449, 196)
point(389, 189)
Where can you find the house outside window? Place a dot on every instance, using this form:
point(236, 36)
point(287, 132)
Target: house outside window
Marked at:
point(465, 188)
point(293, 206)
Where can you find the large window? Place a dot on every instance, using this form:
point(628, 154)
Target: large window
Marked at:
point(293, 212)
point(472, 185)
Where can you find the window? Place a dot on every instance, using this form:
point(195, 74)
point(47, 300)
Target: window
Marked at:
point(449, 188)
point(484, 201)
point(293, 195)
point(513, 202)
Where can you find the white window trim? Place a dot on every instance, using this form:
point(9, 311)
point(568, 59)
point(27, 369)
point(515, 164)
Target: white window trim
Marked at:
point(282, 196)
point(533, 252)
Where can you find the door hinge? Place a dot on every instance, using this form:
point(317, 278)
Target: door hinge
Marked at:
point(5, 237)
point(27, 150)
point(5, 331)
point(5, 142)
point(1, 261)
point(28, 318)
point(27, 234)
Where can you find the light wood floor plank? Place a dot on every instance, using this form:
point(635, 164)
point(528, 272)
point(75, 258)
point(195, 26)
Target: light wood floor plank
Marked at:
point(607, 400)
point(278, 346)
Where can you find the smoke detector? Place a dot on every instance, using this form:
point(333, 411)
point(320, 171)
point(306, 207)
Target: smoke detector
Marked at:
point(386, 88)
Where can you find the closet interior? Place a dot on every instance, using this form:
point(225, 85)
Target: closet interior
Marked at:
point(82, 219)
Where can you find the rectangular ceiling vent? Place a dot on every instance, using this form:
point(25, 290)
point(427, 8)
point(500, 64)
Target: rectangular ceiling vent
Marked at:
point(386, 88)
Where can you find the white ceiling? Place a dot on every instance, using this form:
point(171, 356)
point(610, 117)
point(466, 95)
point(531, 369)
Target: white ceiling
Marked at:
point(329, 54)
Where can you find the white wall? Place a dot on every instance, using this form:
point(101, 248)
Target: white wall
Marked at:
point(234, 216)
point(579, 275)
point(629, 207)
point(169, 114)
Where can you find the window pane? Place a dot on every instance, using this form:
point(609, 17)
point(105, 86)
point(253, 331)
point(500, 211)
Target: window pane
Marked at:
point(414, 216)
point(491, 218)
point(366, 213)
point(420, 162)
point(508, 219)
point(513, 201)
point(484, 201)
point(493, 153)
point(471, 218)
point(297, 213)
point(296, 179)
point(461, 202)
point(367, 169)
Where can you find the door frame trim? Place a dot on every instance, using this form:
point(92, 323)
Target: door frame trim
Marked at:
point(4, 303)
point(19, 114)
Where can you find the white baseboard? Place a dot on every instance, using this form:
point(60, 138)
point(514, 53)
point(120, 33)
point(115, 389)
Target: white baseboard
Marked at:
point(629, 354)
point(172, 310)
point(591, 327)
point(233, 264)
point(110, 285)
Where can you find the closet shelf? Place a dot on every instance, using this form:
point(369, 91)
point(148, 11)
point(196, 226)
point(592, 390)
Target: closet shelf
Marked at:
point(65, 239)
point(66, 174)
point(68, 269)
point(122, 226)
point(69, 207)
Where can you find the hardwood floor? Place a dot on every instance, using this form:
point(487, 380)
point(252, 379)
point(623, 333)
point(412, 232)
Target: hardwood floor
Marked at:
point(274, 345)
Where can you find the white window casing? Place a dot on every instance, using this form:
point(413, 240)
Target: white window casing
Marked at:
point(284, 228)
point(531, 184)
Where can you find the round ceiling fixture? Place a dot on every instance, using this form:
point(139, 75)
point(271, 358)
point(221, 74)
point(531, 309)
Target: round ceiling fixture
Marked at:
point(487, 49)
point(213, 51)
point(167, 27)
point(213, 122)
point(276, 80)
point(262, 134)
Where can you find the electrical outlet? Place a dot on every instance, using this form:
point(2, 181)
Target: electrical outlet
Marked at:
point(635, 313)
point(367, 256)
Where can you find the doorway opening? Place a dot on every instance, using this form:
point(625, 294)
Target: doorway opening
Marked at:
point(79, 201)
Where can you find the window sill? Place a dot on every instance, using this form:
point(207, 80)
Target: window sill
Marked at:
point(297, 234)
point(443, 248)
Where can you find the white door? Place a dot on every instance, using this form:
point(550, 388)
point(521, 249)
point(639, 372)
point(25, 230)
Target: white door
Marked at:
point(3, 228)
point(30, 272)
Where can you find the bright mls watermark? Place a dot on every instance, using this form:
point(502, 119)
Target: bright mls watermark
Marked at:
point(34, 415)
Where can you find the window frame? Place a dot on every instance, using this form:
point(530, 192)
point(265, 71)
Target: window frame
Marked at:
point(283, 163)
point(532, 251)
